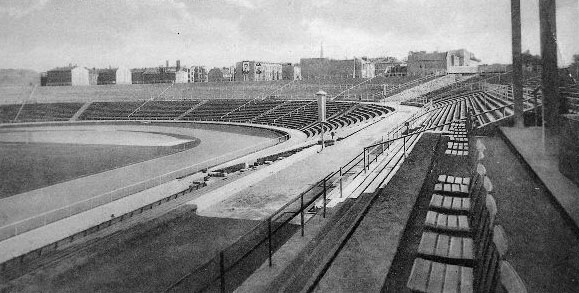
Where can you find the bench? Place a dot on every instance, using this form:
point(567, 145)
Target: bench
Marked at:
point(456, 153)
point(453, 179)
point(458, 138)
point(457, 145)
point(429, 275)
point(452, 188)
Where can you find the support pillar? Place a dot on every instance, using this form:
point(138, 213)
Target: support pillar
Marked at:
point(517, 62)
point(549, 75)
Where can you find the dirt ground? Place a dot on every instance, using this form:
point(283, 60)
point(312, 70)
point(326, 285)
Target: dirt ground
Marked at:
point(543, 248)
point(146, 258)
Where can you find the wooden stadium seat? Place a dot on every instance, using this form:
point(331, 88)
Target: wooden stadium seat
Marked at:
point(453, 179)
point(444, 244)
point(480, 169)
point(452, 188)
point(500, 240)
point(429, 276)
point(457, 145)
point(432, 276)
point(456, 152)
point(456, 138)
point(510, 279)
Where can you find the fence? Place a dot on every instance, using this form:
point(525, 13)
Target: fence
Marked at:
point(222, 271)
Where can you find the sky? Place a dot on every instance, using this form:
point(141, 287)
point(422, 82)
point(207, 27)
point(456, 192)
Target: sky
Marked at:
point(42, 34)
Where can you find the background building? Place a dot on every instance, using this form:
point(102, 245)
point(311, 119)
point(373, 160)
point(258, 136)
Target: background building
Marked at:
point(71, 75)
point(422, 63)
point(388, 66)
point(462, 61)
point(258, 71)
point(93, 75)
point(324, 68)
point(452, 62)
point(198, 74)
point(215, 75)
point(291, 71)
point(228, 73)
point(161, 74)
point(368, 69)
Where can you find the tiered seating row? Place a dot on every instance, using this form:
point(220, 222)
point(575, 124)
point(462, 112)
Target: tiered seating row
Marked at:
point(486, 107)
point(295, 114)
point(460, 249)
point(35, 112)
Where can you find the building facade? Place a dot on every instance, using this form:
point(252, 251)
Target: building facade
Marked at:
point(422, 63)
point(325, 68)
point(258, 71)
point(389, 66)
point(291, 71)
point(452, 62)
point(367, 68)
point(67, 76)
point(198, 74)
point(461, 62)
point(215, 75)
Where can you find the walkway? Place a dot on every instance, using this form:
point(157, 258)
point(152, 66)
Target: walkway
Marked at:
point(261, 199)
point(528, 144)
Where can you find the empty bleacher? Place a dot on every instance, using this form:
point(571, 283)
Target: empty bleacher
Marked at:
point(460, 247)
point(38, 112)
point(294, 114)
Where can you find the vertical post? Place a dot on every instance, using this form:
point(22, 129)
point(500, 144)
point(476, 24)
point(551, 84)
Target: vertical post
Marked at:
point(536, 108)
point(404, 139)
point(341, 194)
point(269, 239)
point(407, 131)
point(364, 159)
point(324, 214)
point(549, 76)
point(517, 62)
point(222, 271)
point(302, 212)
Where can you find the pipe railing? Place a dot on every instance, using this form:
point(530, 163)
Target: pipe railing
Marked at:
point(226, 260)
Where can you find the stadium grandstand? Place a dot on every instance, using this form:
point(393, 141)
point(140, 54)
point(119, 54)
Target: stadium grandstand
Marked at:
point(450, 180)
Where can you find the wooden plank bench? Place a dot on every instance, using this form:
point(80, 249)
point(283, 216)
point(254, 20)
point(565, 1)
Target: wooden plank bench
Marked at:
point(444, 245)
point(434, 276)
point(457, 145)
point(450, 204)
point(456, 153)
point(458, 138)
point(430, 276)
point(453, 179)
point(456, 189)
point(510, 279)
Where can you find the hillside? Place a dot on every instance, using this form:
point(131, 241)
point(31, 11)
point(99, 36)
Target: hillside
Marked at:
point(11, 77)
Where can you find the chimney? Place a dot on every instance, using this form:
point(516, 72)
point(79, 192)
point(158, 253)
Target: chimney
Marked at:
point(178, 64)
point(167, 63)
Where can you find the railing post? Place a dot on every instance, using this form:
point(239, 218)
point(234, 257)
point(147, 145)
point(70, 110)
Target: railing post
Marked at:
point(302, 212)
point(341, 194)
point(269, 239)
point(536, 109)
point(404, 139)
point(222, 271)
point(364, 155)
point(324, 214)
